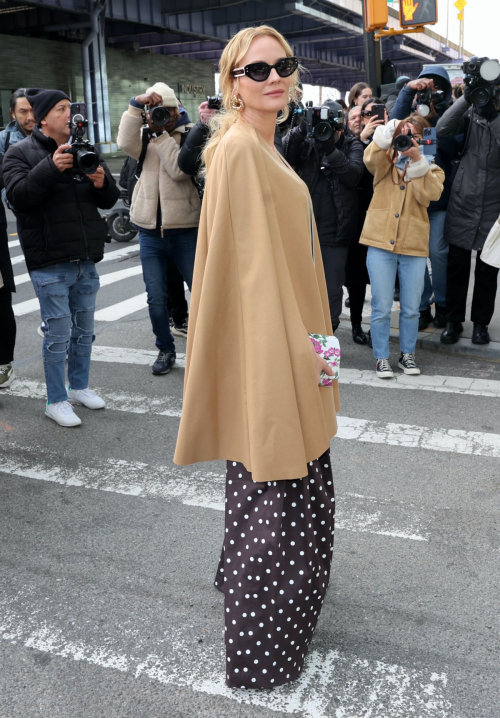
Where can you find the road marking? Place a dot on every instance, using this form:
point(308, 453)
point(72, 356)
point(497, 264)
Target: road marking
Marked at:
point(409, 436)
point(14, 242)
point(33, 305)
point(127, 355)
point(425, 382)
point(108, 256)
point(122, 309)
point(201, 488)
point(362, 686)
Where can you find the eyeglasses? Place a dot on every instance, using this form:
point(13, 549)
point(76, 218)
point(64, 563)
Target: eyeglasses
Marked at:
point(260, 71)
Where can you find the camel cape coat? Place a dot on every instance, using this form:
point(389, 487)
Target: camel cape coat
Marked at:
point(250, 391)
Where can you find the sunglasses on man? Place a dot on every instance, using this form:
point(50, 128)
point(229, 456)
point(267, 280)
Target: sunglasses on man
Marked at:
point(260, 71)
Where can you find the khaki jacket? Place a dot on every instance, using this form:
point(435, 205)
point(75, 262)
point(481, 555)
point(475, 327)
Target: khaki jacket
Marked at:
point(160, 178)
point(397, 218)
point(250, 390)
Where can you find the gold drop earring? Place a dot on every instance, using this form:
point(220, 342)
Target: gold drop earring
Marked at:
point(237, 103)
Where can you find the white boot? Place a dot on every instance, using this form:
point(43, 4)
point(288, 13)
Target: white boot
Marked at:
point(62, 413)
point(85, 397)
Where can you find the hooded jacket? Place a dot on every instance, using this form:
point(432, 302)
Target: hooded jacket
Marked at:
point(161, 179)
point(475, 197)
point(448, 148)
point(57, 212)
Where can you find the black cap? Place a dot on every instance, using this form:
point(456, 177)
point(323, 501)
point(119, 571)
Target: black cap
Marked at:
point(42, 101)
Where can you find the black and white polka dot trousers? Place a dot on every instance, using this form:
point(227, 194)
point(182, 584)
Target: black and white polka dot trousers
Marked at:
point(274, 571)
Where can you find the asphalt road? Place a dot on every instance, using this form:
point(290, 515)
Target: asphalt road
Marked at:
point(108, 551)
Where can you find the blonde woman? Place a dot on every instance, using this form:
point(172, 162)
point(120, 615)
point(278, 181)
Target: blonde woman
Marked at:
point(252, 394)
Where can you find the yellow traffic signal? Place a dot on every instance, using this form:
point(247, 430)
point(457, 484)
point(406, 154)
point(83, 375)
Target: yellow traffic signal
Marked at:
point(376, 14)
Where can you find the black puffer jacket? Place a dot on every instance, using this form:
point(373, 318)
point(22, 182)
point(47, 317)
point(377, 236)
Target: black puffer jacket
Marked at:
point(57, 211)
point(474, 203)
point(332, 181)
point(5, 263)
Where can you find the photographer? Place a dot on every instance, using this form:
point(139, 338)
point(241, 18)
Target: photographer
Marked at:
point(165, 203)
point(63, 237)
point(331, 169)
point(474, 204)
point(417, 95)
point(396, 231)
point(23, 121)
point(190, 153)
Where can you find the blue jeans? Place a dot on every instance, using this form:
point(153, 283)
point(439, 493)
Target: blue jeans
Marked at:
point(382, 268)
point(179, 246)
point(67, 294)
point(438, 252)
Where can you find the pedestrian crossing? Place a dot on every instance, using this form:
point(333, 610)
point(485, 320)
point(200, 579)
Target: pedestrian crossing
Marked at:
point(340, 680)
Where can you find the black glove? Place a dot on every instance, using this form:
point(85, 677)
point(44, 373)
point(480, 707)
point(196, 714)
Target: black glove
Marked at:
point(467, 94)
point(325, 147)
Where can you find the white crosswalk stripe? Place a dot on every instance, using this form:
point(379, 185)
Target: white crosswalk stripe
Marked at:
point(129, 248)
point(122, 309)
point(33, 305)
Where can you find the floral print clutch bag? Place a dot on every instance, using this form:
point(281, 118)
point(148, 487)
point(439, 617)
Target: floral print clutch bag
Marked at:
point(329, 348)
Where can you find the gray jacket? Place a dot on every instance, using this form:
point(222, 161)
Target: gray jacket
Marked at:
point(475, 195)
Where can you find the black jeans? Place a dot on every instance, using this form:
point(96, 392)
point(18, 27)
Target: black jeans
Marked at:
point(7, 327)
point(334, 261)
point(457, 284)
point(356, 279)
point(176, 296)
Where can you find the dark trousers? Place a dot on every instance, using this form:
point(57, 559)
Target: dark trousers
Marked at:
point(457, 284)
point(176, 295)
point(334, 261)
point(7, 327)
point(356, 279)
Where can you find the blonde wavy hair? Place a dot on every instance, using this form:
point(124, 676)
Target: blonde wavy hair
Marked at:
point(233, 53)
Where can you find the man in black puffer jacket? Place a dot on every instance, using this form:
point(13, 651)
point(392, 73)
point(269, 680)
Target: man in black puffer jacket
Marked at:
point(332, 171)
point(62, 237)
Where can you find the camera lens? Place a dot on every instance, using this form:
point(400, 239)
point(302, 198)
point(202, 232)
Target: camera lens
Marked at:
point(159, 116)
point(480, 96)
point(402, 143)
point(87, 161)
point(323, 131)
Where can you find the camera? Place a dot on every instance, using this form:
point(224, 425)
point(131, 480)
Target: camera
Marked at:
point(424, 100)
point(321, 122)
point(402, 143)
point(482, 74)
point(159, 116)
point(214, 102)
point(86, 159)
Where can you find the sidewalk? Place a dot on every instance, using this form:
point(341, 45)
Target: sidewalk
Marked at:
point(430, 338)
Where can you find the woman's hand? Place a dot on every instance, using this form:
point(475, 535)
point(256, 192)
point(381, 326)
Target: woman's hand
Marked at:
point(320, 364)
point(413, 153)
point(206, 114)
point(370, 128)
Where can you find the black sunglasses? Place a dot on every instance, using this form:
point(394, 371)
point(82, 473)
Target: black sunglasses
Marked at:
point(260, 71)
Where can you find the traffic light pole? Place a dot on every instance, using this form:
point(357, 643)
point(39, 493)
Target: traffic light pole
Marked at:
point(373, 62)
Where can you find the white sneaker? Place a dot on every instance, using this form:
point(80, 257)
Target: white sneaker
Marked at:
point(39, 330)
point(7, 375)
point(62, 413)
point(85, 397)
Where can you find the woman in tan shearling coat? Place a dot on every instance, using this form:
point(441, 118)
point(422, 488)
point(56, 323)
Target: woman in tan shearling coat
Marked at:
point(252, 394)
point(396, 231)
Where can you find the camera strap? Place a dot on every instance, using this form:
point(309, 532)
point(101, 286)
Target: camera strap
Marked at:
point(145, 141)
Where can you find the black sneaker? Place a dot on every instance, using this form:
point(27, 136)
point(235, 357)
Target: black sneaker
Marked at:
point(164, 363)
point(407, 364)
point(383, 369)
point(180, 330)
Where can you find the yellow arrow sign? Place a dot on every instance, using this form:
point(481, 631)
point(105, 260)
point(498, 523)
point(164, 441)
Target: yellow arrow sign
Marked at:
point(460, 4)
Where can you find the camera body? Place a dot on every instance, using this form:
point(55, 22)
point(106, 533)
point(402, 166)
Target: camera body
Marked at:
point(482, 75)
point(403, 143)
point(85, 158)
point(424, 100)
point(321, 122)
point(214, 102)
